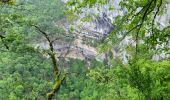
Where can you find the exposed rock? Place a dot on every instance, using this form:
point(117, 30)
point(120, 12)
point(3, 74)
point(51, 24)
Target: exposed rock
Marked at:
point(98, 29)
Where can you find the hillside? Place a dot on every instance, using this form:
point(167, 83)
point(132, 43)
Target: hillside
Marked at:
point(84, 49)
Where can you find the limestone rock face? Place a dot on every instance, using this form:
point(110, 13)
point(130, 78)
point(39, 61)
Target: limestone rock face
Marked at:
point(99, 28)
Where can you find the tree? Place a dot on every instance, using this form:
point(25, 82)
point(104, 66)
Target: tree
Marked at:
point(139, 20)
point(28, 72)
point(10, 21)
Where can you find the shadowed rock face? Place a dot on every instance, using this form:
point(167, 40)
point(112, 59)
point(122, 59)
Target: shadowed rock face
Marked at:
point(103, 24)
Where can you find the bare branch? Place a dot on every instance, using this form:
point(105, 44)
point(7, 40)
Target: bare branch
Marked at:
point(142, 21)
point(52, 53)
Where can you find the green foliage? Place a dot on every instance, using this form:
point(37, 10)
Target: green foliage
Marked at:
point(137, 81)
point(78, 85)
point(142, 80)
point(87, 18)
point(26, 74)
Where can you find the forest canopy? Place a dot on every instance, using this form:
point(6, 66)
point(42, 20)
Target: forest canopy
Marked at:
point(84, 50)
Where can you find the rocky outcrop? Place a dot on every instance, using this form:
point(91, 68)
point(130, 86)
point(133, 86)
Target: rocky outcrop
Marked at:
point(97, 29)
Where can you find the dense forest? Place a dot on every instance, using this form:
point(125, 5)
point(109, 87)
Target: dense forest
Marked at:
point(84, 50)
